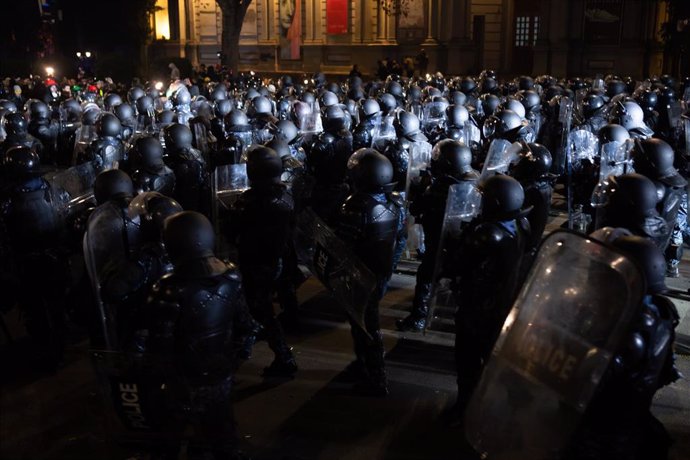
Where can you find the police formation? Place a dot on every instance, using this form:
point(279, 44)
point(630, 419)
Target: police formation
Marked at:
point(125, 206)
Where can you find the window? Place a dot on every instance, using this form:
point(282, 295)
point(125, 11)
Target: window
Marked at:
point(526, 31)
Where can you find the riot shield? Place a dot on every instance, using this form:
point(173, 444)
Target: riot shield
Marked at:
point(229, 183)
point(433, 115)
point(675, 112)
point(558, 340)
point(141, 401)
point(584, 145)
point(462, 206)
point(73, 187)
point(83, 137)
point(383, 133)
point(202, 141)
point(420, 158)
point(499, 158)
point(112, 235)
point(334, 264)
point(472, 134)
point(615, 161)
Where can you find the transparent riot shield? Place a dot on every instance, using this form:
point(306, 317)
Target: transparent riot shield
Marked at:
point(112, 236)
point(311, 123)
point(675, 112)
point(383, 133)
point(499, 158)
point(462, 206)
point(433, 115)
point(615, 161)
point(420, 159)
point(334, 264)
point(201, 139)
point(558, 340)
point(472, 134)
point(73, 188)
point(229, 183)
point(584, 145)
point(141, 398)
point(83, 137)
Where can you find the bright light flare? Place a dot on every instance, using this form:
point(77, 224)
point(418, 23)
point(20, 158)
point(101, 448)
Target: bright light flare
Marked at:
point(50, 71)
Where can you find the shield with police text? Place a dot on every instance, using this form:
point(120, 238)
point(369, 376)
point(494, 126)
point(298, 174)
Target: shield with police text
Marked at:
point(571, 316)
point(141, 396)
point(615, 161)
point(334, 264)
point(462, 206)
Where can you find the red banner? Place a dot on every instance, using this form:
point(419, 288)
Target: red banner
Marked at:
point(337, 17)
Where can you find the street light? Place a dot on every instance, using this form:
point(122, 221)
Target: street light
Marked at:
point(50, 71)
point(87, 54)
point(79, 54)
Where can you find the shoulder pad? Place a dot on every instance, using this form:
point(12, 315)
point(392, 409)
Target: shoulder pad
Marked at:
point(486, 234)
point(327, 138)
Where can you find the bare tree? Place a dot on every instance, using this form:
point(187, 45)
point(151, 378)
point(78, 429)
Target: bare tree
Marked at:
point(233, 12)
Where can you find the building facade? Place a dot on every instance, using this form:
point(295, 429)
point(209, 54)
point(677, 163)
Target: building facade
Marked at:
point(559, 37)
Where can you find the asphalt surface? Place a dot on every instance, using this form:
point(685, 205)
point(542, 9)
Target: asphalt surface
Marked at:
point(314, 416)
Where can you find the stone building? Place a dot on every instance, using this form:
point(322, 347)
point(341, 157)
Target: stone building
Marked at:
point(559, 37)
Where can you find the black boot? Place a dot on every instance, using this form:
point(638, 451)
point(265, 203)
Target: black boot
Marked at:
point(376, 383)
point(416, 320)
point(284, 364)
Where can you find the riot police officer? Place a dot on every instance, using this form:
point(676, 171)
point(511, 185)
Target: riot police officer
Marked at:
point(107, 150)
point(31, 229)
point(197, 316)
point(17, 130)
point(486, 268)
point(369, 119)
point(152, 175)
point(450, 164)
point(263, 218)
point(192, 187)
point(368, 222)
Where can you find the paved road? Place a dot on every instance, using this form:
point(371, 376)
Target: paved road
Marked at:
point(315, 416)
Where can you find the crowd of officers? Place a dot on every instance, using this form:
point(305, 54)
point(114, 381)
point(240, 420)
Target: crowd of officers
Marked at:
point(136, 264)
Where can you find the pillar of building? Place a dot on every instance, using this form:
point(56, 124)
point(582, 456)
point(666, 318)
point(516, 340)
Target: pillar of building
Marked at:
point(455, 33)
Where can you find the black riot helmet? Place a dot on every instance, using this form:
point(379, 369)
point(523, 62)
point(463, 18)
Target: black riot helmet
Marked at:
point(502, 198)
point(648, 257)
point(395, 88)
point(144, 104)
point(124, 112)
point(280, 147)
point(613, 133)
point(328, 98)
point(631, 196)
point(370, 171)
point(457, 115)
point(219, 93)
point(534, 163)
point(223, 107)
point(334, 118)
point(90, 115)
point(369, 108)
point(356, 93)
point(178, 136)
point(489, 85)
point(38, 109)
point(615, 87)
point(153, 209)
point(108, 125)
point(529, 99)
point(165, 117)
point(16, 124)
point(111, 100)
point(490, 103)
point(414, 93)
point(134, 94)
point(8, 105)
point(667, 96)
point(592, 105)
point(504, 124)
point(112, 184)
point(71, 110)
point(468, 85)
point(285, 130)
point(21, 163)
point(236, 117)
point(261, 105)
point(525, 83)
point(150, 151)
point(387, 102)
point(188, 235)
point(458, 98)
point(648, 100)
point(406, 124)
point(264, 165)
point(450, 157)
point(654, 158)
